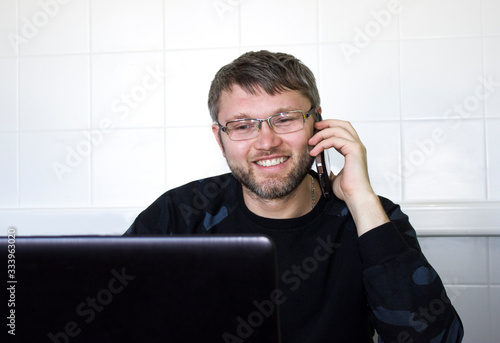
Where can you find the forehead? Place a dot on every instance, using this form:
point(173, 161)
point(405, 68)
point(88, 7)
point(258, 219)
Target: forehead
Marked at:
point(238, 103)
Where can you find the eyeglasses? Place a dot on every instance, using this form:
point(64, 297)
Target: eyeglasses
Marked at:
point(284, 122)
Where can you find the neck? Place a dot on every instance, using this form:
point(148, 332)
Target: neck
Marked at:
point(295, 204)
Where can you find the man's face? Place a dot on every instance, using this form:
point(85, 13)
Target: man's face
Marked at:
point(271, 165)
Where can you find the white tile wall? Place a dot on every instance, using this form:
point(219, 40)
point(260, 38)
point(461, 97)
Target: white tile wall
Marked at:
point(195, 24)
point(493, 144)
point(495, 312)
point(8, 94)
point(54, 92)
point(458, 260)
point(472, 303)
point(433, 79)
point(383, 142)
point(435, 154)
point(103, 108)
point(462, 264)
point(135, 158)
point(274, 22)
point(126, 25)
point(189, 74)
point(9, 170)
point(182, 164)
point(445, 18)
point(127, 90)
point(491, 26)
point(494, 251)
point(492, 73)
point(346, 20)
point(361, 87)
point(53, 27)
point(45, 222)
point(8, 28)
point(54, 169)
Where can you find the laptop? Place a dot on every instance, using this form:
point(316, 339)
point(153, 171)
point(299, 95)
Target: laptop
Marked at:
point(144, 289)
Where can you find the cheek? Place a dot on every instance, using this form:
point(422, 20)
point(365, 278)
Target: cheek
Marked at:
point(235, 152)
point(301, 143)
point(308, 135)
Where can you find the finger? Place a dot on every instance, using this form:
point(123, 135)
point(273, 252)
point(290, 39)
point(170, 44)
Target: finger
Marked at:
point(330, 123)
point(325, 135)
point(334, 131)
point(336, 142)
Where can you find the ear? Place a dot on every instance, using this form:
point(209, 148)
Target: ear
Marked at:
point(318, 111)
point(218, 137)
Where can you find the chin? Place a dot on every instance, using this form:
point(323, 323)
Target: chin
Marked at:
point(273, 186)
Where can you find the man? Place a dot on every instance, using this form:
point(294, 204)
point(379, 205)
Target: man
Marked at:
point(365, 268)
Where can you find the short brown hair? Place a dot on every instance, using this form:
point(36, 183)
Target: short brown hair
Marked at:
point(273, 72)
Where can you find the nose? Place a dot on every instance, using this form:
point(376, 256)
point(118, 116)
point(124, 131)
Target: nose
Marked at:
point(267, 138)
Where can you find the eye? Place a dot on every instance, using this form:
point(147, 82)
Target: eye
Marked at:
point(283, 120)
point(241, 126)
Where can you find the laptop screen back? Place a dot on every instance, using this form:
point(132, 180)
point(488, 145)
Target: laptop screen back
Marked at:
point(146, 289)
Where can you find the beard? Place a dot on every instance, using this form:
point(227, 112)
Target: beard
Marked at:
point(278, 186)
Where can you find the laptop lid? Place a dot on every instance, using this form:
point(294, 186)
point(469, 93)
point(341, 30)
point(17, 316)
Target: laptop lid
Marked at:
point(144, 289)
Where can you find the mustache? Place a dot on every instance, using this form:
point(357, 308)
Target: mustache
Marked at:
point(271, 152)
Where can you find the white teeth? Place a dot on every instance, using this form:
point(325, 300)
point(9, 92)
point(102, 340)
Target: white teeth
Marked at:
point(273, 162)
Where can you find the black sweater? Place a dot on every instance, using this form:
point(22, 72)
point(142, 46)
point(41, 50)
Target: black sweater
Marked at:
point(337, 287)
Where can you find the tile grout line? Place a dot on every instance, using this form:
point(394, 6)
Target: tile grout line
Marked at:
point(165, 177)
point(90, 176)
point(485, 129)
point(401, 141)
point(18, 111)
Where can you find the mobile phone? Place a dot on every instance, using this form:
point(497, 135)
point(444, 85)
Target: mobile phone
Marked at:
point(323, 168)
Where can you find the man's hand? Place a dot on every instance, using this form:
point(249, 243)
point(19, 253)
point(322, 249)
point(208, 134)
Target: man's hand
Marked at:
point(353, 179)
point(352, 183)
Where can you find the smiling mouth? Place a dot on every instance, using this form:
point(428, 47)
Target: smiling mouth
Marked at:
point(271, 162)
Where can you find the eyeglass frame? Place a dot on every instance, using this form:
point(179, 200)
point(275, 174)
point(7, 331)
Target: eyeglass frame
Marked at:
point(305, 115)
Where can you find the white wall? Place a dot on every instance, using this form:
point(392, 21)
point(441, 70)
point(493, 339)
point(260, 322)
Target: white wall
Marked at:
point(103, 108)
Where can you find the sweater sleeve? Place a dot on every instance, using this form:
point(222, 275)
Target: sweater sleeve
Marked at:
point(406, 296)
